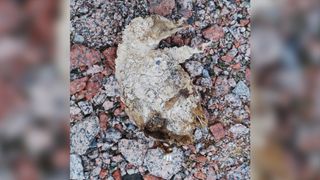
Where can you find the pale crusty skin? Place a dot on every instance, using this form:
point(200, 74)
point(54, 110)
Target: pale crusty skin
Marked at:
point(152, 81)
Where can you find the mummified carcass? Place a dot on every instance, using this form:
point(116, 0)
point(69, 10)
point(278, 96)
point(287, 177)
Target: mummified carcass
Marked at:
point(158, 93)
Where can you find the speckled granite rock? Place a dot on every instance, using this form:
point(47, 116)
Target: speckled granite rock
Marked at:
point(83, 133)
point(133, 151)
point(164, 165)
point(76, 168)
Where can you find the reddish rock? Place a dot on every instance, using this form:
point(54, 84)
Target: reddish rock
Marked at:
point(151, 177)
point(103, 174)
point(221, 86)
point(116, 174)
point(202, 159)
point(92, 89)
point(162, 7)
point(177, 40)
point(77, 85)
point(227, 58)
point(213, 33)
point(117, 112)
point(122, 105)
point(192, 148)
point(217, 131)
point(103, 121)
point(110, 55)
point(93, 86)
point(236, 66)
point(236, 44)
point(244, 22)
point(200, 175)
point(187, 41)
point(248, 75)
point(82, 56)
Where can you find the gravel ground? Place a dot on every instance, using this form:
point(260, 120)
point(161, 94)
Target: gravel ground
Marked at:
point(106, 144)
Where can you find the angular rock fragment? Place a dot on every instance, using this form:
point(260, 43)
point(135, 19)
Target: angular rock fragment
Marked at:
point(76, 168)
point(81, 56)
point(112, 135)
point(111, 87)
point(158, 93)
point(133, 151)
point(213, 33)
point(162, 7)
point(241, 89)
point(86, 107)
point(239, 130)
point(83, 133)
point(164, 165)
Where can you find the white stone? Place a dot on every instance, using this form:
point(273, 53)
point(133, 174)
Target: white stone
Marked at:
point(241, 89)
point(76, 168)
point(239, 130)
point(164, 165)
point(133, 151)
point(86, 107)
point(83, 133)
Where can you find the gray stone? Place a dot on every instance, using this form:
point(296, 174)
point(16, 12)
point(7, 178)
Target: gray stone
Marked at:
point(241, 89)
point(112, 135)
point(233, 100)
point(78, 38)
point(83, 133)
point(164, 165)
point(85, 107)
point(206, 82)
point(239, 130)
point(241, 172)
point(96, 171)
point(111, 86)
point(100, 98)
point(76, 168)
point(198, 134)
point(195, 68)
point(133, 151)
point(205, 73)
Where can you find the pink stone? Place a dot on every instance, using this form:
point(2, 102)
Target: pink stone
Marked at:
point(227, 58)
point(82, 56)
point(116, 174)
point(217, 131)
point(103, 121)
point(200, 175)
point(77, 85)
point(162, 7)
point(213, 33)
point(107, 105)
point(110, 55)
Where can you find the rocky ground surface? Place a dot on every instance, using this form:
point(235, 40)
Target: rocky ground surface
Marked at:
point(106, 144)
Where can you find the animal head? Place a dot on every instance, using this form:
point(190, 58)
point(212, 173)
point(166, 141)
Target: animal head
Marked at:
point(150, 31)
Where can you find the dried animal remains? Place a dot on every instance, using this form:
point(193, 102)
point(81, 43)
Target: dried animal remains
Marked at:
point(158, 93)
